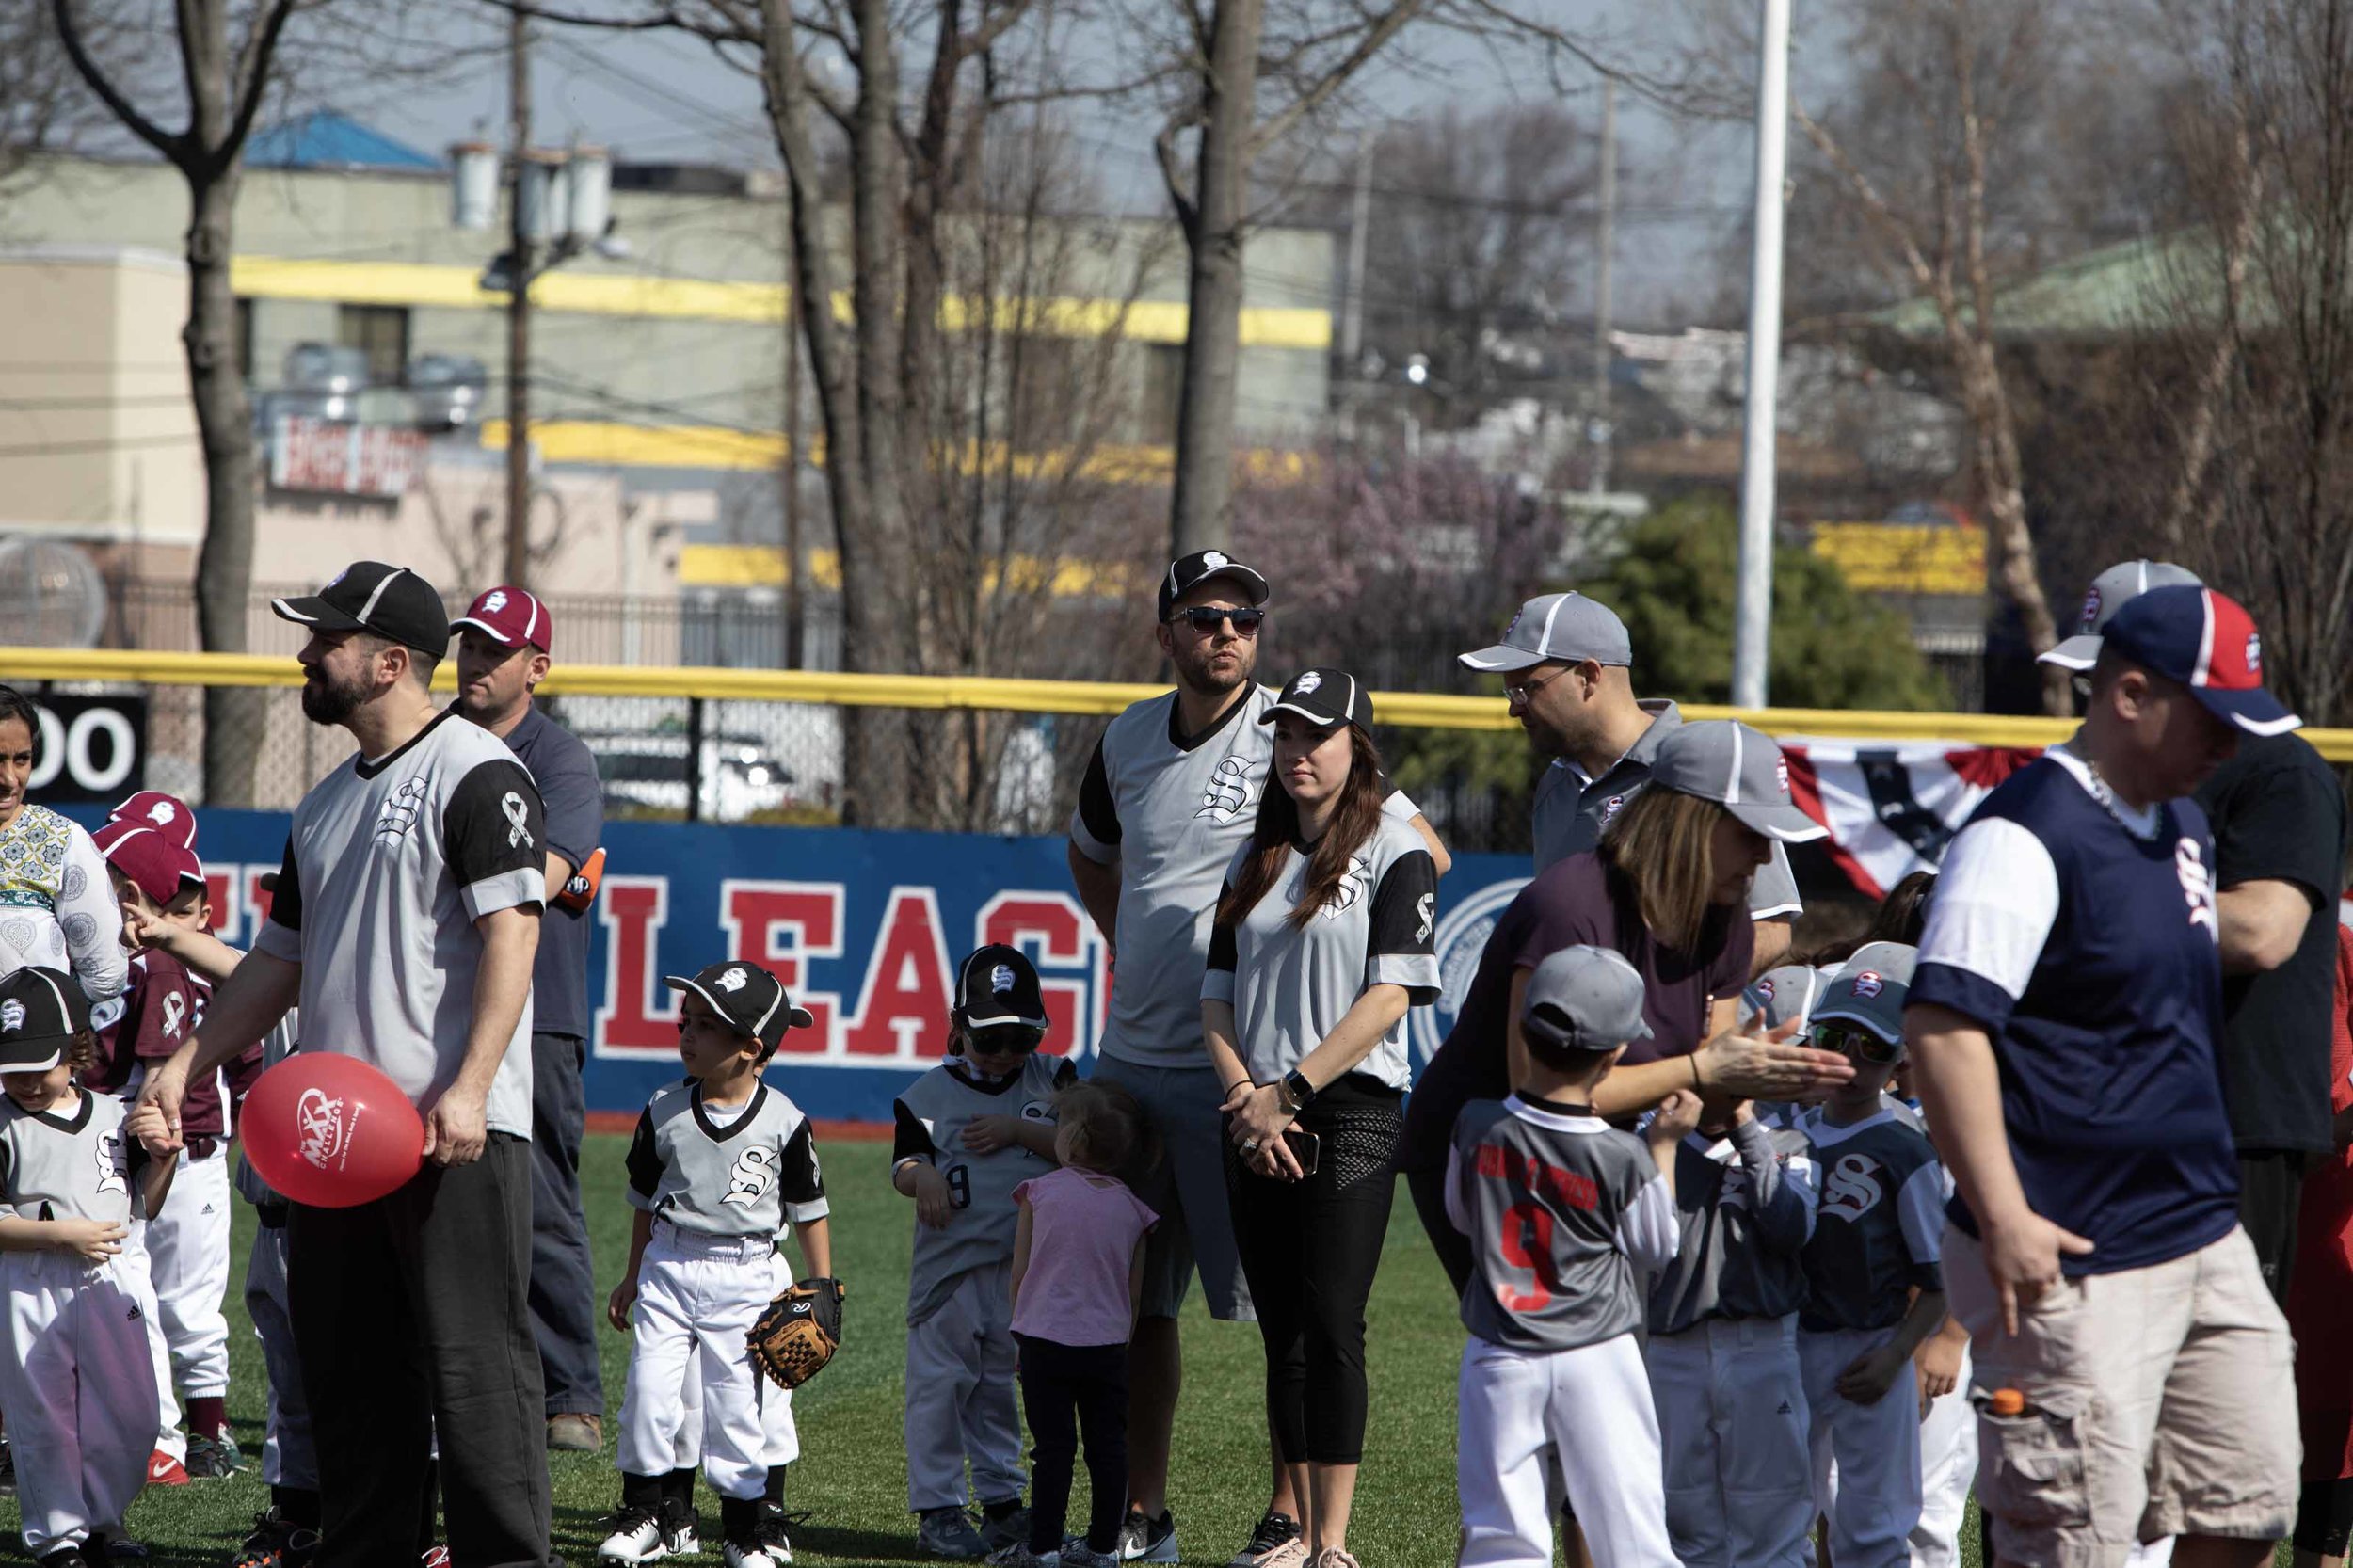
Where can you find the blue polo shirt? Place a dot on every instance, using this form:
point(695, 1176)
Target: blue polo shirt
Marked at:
point(2083, 936)
point(561, 765)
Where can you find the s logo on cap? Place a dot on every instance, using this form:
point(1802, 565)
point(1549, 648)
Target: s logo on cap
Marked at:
point(1765, 988)
point(733, 981)
point(1307, 684)
point(1211, 560)
point(1869, 984)
point(2092, 609)
point(494, 600)
point(11, 1016)
point(161, 812)
point(1001, 979)
point(1781, 773)
point(2254, 653)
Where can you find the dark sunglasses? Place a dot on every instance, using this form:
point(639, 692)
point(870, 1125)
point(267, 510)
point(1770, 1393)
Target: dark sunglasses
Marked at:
point(1205, 619)
point(1860, 1043)
point(1004, 1039)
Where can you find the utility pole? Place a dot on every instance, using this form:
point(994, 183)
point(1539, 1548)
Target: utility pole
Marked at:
point(1752, 634)
point(1606, 244)
point(520, 260)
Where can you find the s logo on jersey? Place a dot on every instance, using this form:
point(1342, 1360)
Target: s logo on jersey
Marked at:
point(114, 1163)
point(1354, 883)
point(754, 1174)
point(1853, 1187)
point(1231, 792)
point(400, 809)
point(325, 1136)
point(2189, 864)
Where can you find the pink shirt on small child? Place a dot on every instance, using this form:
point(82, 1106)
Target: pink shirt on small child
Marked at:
point(1084, 1227)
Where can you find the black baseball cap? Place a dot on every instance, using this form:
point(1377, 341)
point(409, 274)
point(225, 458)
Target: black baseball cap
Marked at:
point(369, 596)
point(748, 996)
point(1323, 698)
point(1188, 572)
point(41, 1012)
point(998, 986)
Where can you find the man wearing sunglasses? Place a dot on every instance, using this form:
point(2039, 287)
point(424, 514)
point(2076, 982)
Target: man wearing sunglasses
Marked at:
point(1566, 663)
point(2133, 1375)
point(1170, 794)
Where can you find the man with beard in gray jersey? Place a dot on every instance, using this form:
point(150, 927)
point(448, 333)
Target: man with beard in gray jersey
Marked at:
point(1168, 797)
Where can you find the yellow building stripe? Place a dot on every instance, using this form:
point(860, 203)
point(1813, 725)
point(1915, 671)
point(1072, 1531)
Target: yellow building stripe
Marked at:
point(1406, 710)
point(752, 565)
point(612, 444)
point(458, 288)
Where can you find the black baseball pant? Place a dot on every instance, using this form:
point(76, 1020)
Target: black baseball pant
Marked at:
point(412, 1320)
point(1066, 1390)
point(564, 1301)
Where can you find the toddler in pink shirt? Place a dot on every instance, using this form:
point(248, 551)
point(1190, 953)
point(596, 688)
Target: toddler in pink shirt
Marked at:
point(1078, 1265)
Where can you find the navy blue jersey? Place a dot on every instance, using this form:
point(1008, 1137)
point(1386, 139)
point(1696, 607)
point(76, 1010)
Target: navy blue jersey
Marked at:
point(2089, 952)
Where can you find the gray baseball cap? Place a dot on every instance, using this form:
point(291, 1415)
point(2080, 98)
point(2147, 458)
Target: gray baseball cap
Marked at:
point(1868, 990)
point(1567, 628)
point(2109, 593)
point(1738, 768)
point(1780, 994)
point(1585, 998)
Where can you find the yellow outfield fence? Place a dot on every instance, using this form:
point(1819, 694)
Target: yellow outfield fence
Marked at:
point(1404, 709)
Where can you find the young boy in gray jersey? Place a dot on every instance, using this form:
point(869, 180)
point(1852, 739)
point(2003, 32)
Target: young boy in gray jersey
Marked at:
point(969, 1131)
point(1564, 1211)
point(720, 1164)
point(76, 1374)
point(1873, 1291)
point(1723, 1353)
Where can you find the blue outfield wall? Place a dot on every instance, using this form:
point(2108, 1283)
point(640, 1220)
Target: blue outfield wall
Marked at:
point(863, 927)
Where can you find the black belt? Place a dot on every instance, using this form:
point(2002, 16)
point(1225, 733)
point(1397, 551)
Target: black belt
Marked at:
point(203, 1149)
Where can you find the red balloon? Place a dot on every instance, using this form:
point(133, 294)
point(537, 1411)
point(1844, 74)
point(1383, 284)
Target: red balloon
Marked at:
point(330, 1132)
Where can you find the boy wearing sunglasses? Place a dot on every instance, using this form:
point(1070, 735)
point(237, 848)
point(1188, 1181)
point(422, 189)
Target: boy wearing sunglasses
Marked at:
point(969, 1131)
point(1873, 1291)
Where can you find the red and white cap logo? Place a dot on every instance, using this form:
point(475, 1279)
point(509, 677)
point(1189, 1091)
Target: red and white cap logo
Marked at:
point(511, 617)
point(1869, 984)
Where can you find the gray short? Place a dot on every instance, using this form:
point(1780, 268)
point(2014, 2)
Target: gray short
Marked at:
point(1187, 1191)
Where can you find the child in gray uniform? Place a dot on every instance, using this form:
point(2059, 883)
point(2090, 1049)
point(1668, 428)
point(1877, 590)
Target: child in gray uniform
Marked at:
point(1564, 1212)
point(76, 1376)
point(1874, 1293)
point(720, 1163)
point(969, 1131)
point(1722, 1353)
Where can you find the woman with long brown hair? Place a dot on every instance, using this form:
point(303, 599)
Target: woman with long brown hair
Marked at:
point(1666, 888)
point(1322, 944)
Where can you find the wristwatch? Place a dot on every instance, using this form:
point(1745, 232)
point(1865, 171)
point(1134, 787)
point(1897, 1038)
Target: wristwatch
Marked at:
point(1294, 1090)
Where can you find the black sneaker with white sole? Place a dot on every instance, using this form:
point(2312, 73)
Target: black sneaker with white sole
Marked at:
point(636, 1536)
point(1142, 1540)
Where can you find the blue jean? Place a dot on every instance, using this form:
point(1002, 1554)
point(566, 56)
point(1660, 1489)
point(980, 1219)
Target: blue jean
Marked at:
point(563, 1279)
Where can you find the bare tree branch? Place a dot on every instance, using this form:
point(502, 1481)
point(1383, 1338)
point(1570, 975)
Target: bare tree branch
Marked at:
point(70, 34)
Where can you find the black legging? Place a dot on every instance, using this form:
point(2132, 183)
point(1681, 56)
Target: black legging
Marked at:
point(1309, 1248)
point(2324, 1517)
point(1067, 1389)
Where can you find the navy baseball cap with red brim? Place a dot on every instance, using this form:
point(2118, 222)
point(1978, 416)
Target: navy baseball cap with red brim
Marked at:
point(2208, 643)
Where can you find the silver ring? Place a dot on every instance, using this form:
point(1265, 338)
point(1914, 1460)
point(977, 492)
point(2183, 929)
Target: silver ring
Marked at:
point(1250, 1145)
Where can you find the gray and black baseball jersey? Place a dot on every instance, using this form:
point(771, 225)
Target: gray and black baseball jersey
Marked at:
point(1571, 810)
point(1290, 985)
point(82, 1166)
point(390, 863)
point(1562, 1209)
point(725, 1170)
point(983, 1218)
point(1879, 1226)
point(1170, 810)
point(1744, 1207)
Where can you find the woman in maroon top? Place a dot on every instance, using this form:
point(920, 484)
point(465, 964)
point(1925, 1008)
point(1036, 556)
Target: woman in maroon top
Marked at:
point(1667, 888)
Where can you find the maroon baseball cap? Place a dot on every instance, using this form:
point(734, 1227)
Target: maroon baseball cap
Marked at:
point(511, 617)
point(167, 814)
point(159, 866)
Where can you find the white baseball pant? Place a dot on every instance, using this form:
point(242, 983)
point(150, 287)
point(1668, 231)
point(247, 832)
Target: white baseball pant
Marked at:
point(79, 1383)
point(696, 1297)
point(1948, 1467)
point(1876, 1448)
point(288, 1458)
point(187, 1256)
point(1732, 1430)
point(780, 1438)
point(1530, 1423)
point(964, 1395)
point(170, 1439)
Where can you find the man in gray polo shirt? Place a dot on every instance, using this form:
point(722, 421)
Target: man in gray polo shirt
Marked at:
point(405, 921)
point(1566, 663)
point(504, 642)
point(1170, 794)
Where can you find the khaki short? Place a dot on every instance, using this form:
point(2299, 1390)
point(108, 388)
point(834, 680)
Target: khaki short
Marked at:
point(2160, 1402)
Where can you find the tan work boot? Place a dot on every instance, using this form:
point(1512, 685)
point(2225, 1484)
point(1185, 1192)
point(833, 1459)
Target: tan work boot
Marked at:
point(575, 1433)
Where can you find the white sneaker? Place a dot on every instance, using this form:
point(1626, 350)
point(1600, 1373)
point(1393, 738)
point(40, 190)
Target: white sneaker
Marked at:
point(681, 1541)
point(636, 1538)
